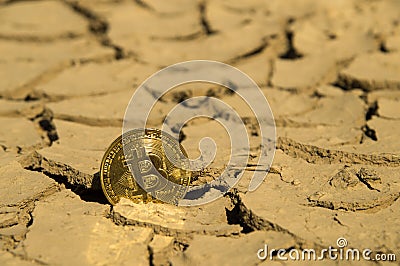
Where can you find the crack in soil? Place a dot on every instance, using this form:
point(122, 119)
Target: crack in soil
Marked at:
point(291, 53)
point(317, 155)
point(355, 206)
point(98, 27)
point(61, 173)
point(45, 124)
point(205, 24)
point(251, 222)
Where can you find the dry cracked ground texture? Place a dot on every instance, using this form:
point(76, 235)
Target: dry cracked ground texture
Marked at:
point(329, 69)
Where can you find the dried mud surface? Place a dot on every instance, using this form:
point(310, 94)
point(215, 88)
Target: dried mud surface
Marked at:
point(329, 69)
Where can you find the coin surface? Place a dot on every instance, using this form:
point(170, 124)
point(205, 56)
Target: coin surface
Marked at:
point(143, 165)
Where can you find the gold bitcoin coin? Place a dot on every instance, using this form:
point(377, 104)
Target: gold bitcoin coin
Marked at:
point(142, 165)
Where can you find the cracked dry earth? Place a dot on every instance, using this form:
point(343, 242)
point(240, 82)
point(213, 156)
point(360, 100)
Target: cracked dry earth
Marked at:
point(329, 69)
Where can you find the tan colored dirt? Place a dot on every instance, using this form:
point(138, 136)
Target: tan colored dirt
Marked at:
point(329, 69)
